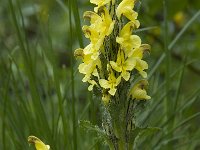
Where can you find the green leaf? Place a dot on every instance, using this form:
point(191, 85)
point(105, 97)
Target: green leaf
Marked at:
point(101, 135)
point(85, 124)
point(133, 135)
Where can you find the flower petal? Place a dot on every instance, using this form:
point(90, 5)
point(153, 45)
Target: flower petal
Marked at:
point(86, 77)
point(112, 91)
point(108, 23)
point(39, 145)
point(130, 63)
point(118, 80)
point(99, 3)
point(82, 68)
point(125, 75)
point(130, 14)
point(123, 6)
point(92, 83)
point(142, 64)
point(119, 40)
point(136, 41)
point(94, 18)
point(143, 74)
point(138, 91)
point(115, 66)
point(141, 94)
point(104, 83)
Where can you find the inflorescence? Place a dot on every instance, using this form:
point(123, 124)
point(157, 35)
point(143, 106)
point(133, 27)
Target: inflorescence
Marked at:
point(114, 53)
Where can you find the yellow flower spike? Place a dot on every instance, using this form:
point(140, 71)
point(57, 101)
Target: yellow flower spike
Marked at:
point(123, 65)
point(126, 8)
point(39, 145)
point(111, 83)
point(139, 92)
point(127, 40)
point(108, 23)
point(99, 3)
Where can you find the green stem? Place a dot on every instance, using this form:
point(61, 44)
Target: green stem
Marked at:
point(168, 102)
point(122, 145)
point(72, 79)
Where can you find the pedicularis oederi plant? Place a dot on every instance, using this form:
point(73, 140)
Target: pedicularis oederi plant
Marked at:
point(113, 66)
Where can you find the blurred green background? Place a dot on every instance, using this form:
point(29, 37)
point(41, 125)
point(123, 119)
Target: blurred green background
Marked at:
point(41, 92)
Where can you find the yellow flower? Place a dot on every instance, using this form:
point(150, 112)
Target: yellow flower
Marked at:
point(139, 92)
point(91, 33)
point(92, 50)
point(39, 145)
point(102, 24)
point(139, 52)
point(99, 3)
point(88, 67)
point(79, 53)
point(95, 20)
point(96, 42)
point(96, 32)
point(123, 65)
point(137, 55)
point(126, 8)
point(141, 65)
point(126, 39)
point(111, 83)
point(108, 23)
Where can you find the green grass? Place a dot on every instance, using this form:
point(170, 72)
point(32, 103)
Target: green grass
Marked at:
point(41, 92)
